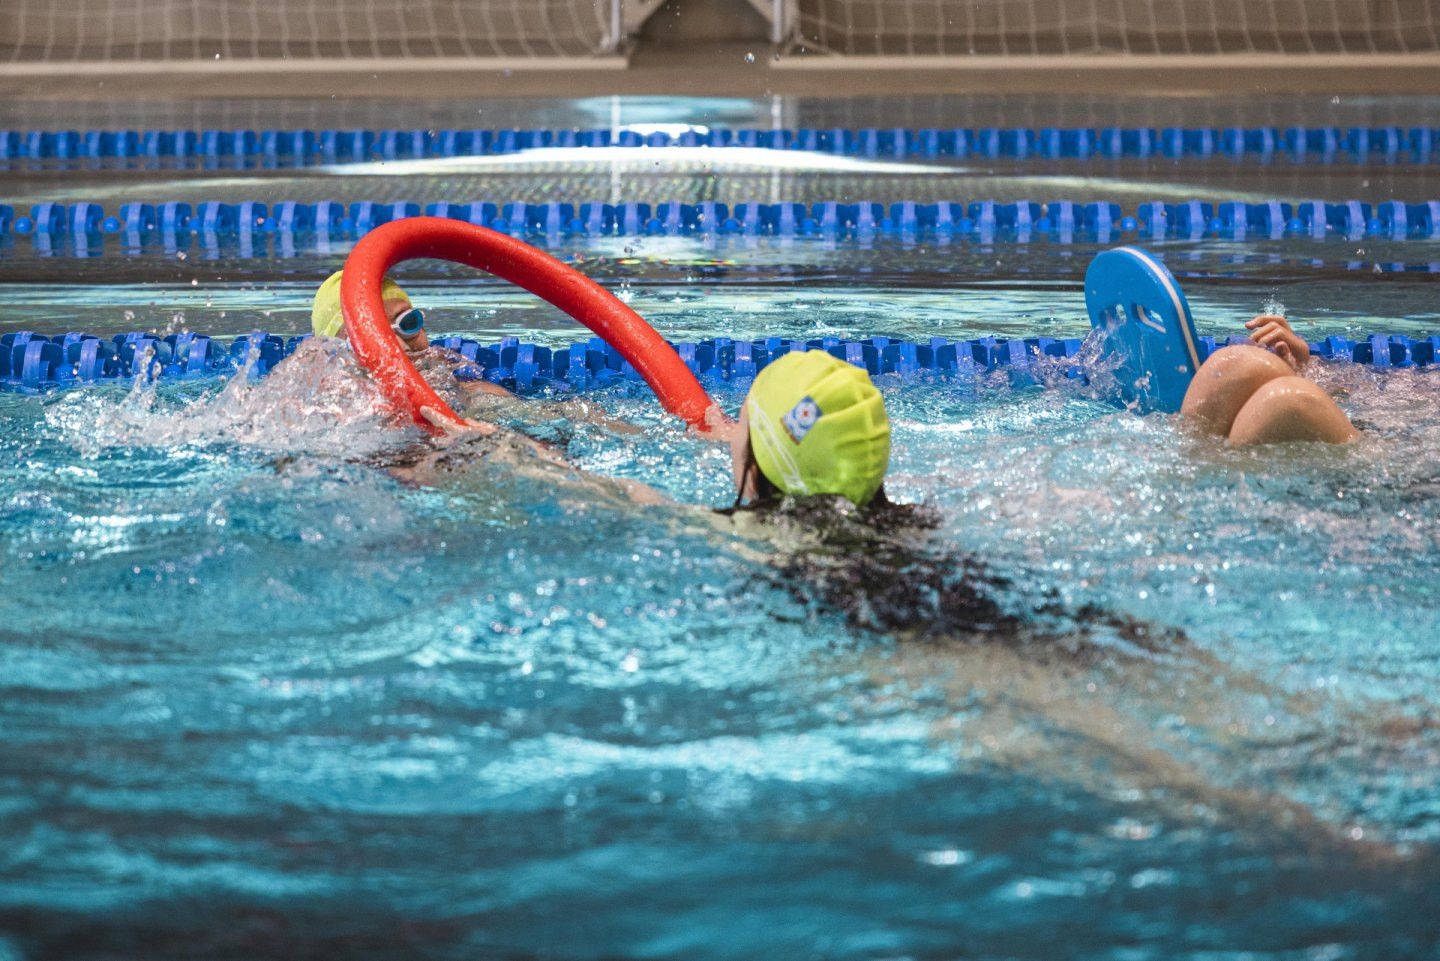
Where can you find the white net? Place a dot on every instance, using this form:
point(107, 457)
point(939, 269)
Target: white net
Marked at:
point(117, 31)
point(911, 28)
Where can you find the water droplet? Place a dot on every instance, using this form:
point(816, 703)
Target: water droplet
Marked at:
point(749, 58)
point(947, 857)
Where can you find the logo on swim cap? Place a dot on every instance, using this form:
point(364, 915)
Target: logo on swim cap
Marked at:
point(801, 418)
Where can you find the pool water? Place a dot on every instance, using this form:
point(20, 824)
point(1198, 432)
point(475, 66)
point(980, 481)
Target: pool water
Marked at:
point(265, 696)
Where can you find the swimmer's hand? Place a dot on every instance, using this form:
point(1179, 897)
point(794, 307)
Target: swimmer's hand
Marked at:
point(1273, 332)
point(718, 427)
point(452, 429)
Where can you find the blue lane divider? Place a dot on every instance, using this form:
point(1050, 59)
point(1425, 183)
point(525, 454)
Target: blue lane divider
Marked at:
point(33, 362)
point(273, 147)
point(1065, 221)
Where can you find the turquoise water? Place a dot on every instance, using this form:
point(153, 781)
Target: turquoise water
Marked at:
point(269, 690)
point(264, 698)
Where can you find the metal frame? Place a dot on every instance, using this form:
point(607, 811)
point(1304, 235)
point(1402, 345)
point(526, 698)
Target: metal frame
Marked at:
point(990, 63)
point(612, 57)
point(781, 14)
point(356, 65)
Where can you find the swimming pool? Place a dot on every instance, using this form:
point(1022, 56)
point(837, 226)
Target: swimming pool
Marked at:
point(261, 698)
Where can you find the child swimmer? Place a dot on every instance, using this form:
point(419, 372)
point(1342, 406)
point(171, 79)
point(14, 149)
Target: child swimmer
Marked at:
point(407, 322)
point(327, 319)
point(1252, 396)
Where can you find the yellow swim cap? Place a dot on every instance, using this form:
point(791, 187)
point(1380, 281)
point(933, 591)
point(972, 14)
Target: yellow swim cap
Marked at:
point(818, 426)
point(326, 316)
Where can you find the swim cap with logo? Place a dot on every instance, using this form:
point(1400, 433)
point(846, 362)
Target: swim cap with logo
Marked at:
point(818, 426)
point(327, 317)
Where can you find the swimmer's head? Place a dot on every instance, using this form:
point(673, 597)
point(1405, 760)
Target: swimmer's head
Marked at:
point(814, 424)
point(326, 317)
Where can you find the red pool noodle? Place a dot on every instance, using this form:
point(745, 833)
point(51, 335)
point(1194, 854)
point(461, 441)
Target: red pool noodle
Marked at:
point(437, 238)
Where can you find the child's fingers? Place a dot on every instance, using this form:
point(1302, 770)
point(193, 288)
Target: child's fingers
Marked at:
point(1266, 335)
point(445, 424)
point(1285, 352)
point(1265, 320)
point(1270, 336)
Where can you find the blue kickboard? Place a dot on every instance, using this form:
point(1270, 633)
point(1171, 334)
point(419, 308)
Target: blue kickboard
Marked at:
point(1134, 299)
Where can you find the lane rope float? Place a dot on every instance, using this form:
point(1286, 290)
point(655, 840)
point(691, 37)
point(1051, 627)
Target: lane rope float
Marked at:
point(437, 238)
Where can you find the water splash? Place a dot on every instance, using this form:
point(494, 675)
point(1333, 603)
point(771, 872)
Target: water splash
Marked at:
point(317, 400)
point(1272, 307)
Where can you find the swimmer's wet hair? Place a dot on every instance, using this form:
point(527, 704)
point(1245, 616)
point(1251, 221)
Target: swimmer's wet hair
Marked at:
point(879, 567)
point(876, 566)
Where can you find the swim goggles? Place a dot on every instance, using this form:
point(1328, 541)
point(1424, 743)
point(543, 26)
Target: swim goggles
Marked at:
point(410, 323)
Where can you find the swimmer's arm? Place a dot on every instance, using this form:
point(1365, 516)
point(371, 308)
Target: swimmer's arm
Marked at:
point(484, 387)
point(1273, 332)
point(640, 493)
point(578, 411)
point(634, 490)
point(717, 428)
point(575, 411)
